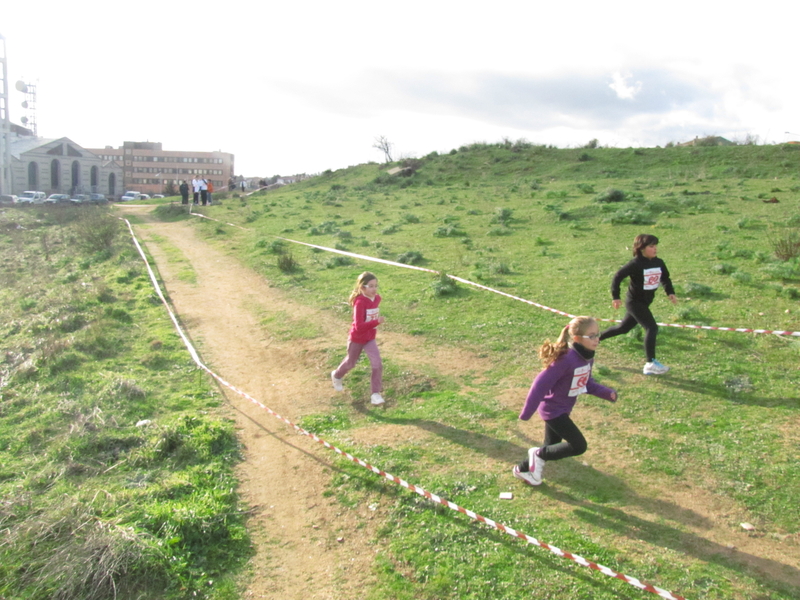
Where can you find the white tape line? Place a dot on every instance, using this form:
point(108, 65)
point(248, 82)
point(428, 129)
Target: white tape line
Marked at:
point(495, 291)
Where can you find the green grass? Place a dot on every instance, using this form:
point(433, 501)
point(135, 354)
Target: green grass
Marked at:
point(717, 422)
point(115, 465)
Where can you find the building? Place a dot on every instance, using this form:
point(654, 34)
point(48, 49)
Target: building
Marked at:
point(148, 169)
point(60, 166)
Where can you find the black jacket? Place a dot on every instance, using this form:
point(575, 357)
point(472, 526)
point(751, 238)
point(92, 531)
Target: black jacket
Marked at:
point(646, 276)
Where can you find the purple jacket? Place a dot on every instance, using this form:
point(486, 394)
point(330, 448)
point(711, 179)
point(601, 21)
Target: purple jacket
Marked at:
point(556, 389)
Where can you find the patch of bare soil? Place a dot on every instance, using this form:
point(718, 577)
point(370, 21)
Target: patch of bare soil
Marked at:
point(309, 546)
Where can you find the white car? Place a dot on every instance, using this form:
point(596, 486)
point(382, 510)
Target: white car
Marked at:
point(144, 197)
point(32, 197)
point(128, 196)
point(8, 199)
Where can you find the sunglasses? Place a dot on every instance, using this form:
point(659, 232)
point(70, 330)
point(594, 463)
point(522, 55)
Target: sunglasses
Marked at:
point(594, 336)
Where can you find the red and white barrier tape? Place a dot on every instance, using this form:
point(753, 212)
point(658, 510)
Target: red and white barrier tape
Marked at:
point(394, 479)
point(501, 293)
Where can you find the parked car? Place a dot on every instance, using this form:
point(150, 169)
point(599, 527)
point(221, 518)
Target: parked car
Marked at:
point(30, 197)
point(97, 199)
point(8, 199)
point(57, 199)
point(158, 195)
point(144, 197)
point(128, 196)
point(80, 199)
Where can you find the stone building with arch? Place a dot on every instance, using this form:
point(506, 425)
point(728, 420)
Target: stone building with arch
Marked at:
point(60, 166)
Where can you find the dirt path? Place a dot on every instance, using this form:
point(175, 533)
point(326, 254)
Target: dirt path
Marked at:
point(308, 546)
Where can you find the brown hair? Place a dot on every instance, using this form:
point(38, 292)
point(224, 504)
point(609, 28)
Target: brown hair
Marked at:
point(550, 352)
point(642, 241)
point(362, 280)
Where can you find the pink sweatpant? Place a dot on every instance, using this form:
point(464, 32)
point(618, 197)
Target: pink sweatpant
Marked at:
point(374, 355)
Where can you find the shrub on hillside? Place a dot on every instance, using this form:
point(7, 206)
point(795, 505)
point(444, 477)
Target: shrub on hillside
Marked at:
point(787, 245)
point(412, 257)
point(610, 195)
point(698, 290)
point(502, 215)
point(443, 285)
point(96, 230)
point(630, 216)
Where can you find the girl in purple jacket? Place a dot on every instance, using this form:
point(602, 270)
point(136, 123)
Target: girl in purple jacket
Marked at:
point(567, 373)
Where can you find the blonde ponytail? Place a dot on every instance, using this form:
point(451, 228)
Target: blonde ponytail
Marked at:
point(550, 352)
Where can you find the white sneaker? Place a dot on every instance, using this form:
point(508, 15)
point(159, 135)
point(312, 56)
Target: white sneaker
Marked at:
point(654, 368)
point(337, 383)
point(535, 466)
point(377, 399)
point(526, 477)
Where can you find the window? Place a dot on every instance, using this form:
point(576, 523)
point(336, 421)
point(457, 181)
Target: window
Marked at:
point(94, 177)
point(33, 176)
point(55, 174)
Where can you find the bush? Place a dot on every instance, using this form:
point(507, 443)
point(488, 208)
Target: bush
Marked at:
point(742, 277)
point(286, 263)
point(412, 257)
point(586, 188)
point(96, 230)
point(787, 246)
point(723, 269)
point(449, 231)
point(410, 218)
point(630, 216)
point(698, 290)
point(338, 261)
point(443, 285)
point(610, 195)
point(498, 231)
point(502, 215)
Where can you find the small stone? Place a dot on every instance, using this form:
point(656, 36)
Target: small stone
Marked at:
point(340, 539)
point(748, 527)
point(506, 495)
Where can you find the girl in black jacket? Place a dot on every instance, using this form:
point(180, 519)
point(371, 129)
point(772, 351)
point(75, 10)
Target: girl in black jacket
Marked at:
point(647, 273)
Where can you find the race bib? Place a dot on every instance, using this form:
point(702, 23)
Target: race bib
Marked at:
point(579, 380)
point(372, 314)
point(652, 278)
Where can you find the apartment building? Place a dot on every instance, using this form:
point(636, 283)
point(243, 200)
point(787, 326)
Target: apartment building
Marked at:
point(149, 169)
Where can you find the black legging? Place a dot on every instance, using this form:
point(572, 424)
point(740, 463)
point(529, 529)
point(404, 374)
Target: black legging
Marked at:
point(562, 439)
point(636, 312)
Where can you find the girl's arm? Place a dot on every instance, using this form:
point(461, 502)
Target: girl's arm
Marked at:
point(601, 391)
point(616, 282)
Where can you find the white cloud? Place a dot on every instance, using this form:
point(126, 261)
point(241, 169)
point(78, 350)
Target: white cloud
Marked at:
point(623, 89)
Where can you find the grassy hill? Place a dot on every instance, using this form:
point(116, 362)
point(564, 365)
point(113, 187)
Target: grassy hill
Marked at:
point(552, 226)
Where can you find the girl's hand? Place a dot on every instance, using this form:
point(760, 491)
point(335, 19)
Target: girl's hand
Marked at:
point(613, 396)
point(616, 304)
point(381, 320)
point(673, 298)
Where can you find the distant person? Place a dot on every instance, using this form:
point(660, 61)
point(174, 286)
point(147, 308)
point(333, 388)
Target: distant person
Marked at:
point(647, 273)
point(210, 190)
point(203, 192)
point(366, 317)
point(196, 188)
point(184, 189)
point(566, 375)
point(231, 184)
point(244, 184)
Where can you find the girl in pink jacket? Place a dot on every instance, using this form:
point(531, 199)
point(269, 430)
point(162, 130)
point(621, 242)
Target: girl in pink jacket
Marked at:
point(365, 300)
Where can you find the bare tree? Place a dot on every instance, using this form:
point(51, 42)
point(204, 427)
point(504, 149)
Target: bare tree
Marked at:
point(385, 146)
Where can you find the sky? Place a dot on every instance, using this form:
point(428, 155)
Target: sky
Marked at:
point(305, 86)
